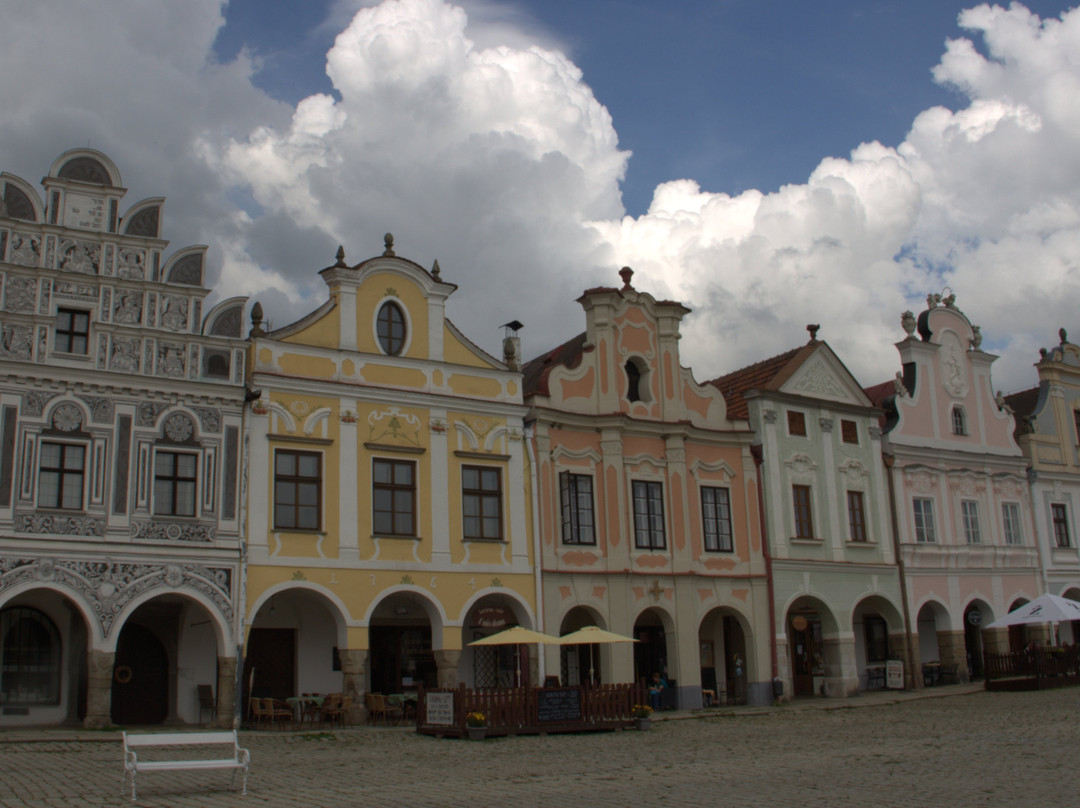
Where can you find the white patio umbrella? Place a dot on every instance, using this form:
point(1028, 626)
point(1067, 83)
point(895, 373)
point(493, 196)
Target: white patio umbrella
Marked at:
point(517, 635)
point(1044, 609)
point(593, 635)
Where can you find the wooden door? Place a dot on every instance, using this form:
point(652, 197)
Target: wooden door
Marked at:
point(272, 655)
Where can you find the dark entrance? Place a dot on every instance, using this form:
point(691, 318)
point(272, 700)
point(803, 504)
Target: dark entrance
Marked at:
point(973, 640)
point(140, 689)
point(804, 642)
point(271, 654)
point(401, 659)
point(650, 650)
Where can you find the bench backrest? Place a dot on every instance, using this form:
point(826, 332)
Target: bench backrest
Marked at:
point(180, 739)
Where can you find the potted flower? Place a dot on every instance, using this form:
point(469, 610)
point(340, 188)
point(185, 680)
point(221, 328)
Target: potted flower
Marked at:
point(641, 713)
point(476, 725)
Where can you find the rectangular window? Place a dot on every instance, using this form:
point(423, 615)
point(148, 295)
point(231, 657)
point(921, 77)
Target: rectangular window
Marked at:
point(969, 510)
point(575, 493)
point(297, 490)
point(1059, 515)
point(393, 496)
point(856, 516)
point(175, 483)
point(716, 515)
point(849, 431)
point(649, 515)
point(1010, 516)
point(796, 423)
point(1076, 422)
point(72, 331)
point(60, 483)
point(924, 520)
point(804, 521)
point(481, 491)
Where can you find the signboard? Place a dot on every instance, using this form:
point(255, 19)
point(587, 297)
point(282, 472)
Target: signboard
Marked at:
point(440, 709)
point(558, 704)
point(492, 617)
point(894, 674)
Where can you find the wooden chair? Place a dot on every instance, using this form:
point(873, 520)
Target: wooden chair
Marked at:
point(379, 706)
point(331, 709)
point(339, 711)
point(256, 712)
point(206, 701)
point(278, 711)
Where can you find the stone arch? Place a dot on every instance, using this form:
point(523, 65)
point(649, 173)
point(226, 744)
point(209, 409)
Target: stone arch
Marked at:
point(86, 165)
point(20, 200)
point(487, 612)
point(727, 661)
point(144, 218)
point(811, 659)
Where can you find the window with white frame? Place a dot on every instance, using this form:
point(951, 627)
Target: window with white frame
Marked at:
point(804, 518)
point(297, 490)
point(959, 421)
point(576, 499)
point(72, 331)
point(716, 517)
point(969, 512)
point(1059, 516)
point(924, 520)
point(60, 476)
point(856, 516)
point(175, 483)
point(1010, 518)
point(393, 496)
point(649, 515)
point(481, 502)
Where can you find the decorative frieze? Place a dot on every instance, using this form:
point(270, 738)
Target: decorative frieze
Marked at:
point(17, 341)
point(187, 532)
point(34, 402)
point(59, 524)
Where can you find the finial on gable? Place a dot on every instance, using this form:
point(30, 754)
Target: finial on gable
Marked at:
point(256, 320)
point(340, 256)
point(626, 274)
point(436, 271)
point(813, 329)
point(1063, 336)
point(388, 240)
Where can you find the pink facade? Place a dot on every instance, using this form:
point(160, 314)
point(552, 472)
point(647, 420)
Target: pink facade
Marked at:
point(648, 515)
point(967, 537)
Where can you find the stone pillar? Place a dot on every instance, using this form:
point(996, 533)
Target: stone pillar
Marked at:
point(226, 694)
point(912, 667)
point(353, 662)
point(99, 675)
point(841, 672)
point(953, 651)
point(996, 640)
point(447, 663)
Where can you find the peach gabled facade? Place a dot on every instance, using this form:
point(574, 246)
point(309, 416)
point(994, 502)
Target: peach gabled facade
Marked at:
point(647, 507)
point(963, 508)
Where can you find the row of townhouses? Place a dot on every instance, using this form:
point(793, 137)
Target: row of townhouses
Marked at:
point(189, 500)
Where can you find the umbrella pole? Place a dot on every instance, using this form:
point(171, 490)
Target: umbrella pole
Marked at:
point(590, 667)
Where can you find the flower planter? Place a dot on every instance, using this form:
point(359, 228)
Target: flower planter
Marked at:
point(476, 733)
point(642, 724)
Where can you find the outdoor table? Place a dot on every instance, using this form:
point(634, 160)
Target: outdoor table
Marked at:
point(406, 701)
point(305, 706)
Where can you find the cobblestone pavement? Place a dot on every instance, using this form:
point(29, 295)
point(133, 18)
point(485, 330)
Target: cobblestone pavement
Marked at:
point(967, 748)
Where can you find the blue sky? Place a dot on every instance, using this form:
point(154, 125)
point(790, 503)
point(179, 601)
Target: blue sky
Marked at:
point(737, 94)
point(767, 163)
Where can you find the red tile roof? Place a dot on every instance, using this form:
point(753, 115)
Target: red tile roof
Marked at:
point(537, 371)
point(735, 385)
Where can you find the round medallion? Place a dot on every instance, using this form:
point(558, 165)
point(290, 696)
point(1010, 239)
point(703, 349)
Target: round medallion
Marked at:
point(174, 576)
point(67, 418)
point(798, 622)
point(178, 427)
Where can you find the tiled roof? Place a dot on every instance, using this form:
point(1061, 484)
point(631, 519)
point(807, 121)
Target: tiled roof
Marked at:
point(879, 392)
point(1023, 403)
point(536, 371)
point(735, 385)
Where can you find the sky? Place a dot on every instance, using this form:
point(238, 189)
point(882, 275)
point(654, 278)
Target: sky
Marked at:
point(769, 164)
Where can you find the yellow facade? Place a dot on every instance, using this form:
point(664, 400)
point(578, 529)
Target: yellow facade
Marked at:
point(389, 506)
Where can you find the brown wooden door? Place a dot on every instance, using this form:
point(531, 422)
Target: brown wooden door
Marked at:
point(140, 689)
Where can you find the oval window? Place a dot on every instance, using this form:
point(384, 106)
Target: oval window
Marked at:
point(390, 327)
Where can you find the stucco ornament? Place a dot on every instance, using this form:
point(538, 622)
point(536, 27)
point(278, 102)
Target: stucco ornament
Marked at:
point(907, 322)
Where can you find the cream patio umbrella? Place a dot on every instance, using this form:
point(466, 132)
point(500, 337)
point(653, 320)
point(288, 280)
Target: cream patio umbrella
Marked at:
point(1046, 608)
point(593, 635)
point(517, 635)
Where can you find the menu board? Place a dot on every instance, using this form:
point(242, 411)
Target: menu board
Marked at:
point(558, 704)
point(440, 709)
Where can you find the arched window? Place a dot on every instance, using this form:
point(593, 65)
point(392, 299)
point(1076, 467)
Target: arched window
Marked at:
point(29, 657)
point(959, 421)
point(390, 326)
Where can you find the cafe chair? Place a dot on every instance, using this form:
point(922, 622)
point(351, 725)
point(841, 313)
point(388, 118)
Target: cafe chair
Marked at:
point(278, 711)
point(206, 701)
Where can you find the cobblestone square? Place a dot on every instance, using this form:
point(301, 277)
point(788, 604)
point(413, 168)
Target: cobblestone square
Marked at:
point(968, 749)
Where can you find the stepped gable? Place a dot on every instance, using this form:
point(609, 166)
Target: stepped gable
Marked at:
point(766, 374)
point(537, 370)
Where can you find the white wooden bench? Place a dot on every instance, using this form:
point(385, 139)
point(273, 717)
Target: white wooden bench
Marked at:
point(238, 760)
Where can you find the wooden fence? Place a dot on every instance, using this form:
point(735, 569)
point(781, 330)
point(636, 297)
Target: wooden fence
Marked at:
point(1033, 670)
point(530, 710)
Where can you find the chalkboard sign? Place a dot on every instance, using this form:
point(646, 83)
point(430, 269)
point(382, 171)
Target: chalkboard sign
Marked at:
point(558, 704)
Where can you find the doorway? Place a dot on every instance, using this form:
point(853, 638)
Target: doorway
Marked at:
point(807, 660)
point(140, 687)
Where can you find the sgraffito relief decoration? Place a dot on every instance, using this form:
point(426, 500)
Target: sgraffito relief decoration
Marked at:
point(25, 249)
point(108, 586)
point(148, 412)
point(43, 303)
point(131, 263)
point(79, 256)
point(17, 341)
point(125, 354)
point(170, 360)
point(67, 418)
point(172, 531)
point(818, 381)
point(179, 428)
point(174, 312)
point(34, 401)
point(20, 294)
point(59, 524)
point(392, 424)
point(128, 309)
point(101, 409)
point(75, 291)
point(209, 418)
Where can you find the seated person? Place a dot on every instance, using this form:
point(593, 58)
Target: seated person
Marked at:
point(656, 689)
